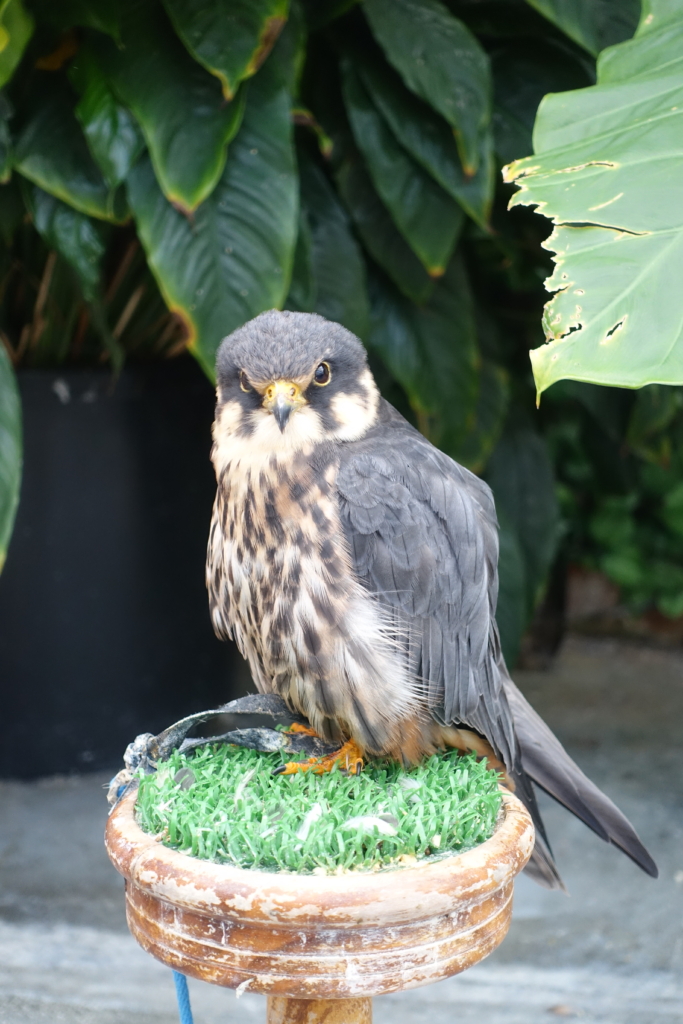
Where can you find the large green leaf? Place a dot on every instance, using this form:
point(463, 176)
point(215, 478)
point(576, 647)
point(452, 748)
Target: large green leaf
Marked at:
point(16, 28)
point(380, 235)
point(428, 139)
point(432, 352)
point(441, 61)
point(231, 38)
point(608, 171)
point(80, 240)
point(111, 131)
point(593, 24)
point(427, 217)
point(10, 451)
point(330, 272)
point(52, 152)
point(521, 477)
point(179, 106)
point(234, 259)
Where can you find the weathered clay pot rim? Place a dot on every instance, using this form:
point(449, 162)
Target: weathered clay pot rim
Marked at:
point(210, 888)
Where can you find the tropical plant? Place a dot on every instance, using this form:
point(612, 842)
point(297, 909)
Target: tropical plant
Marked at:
point(174, 167)
point(606, 170)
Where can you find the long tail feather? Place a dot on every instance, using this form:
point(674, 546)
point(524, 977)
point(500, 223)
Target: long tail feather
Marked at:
point(541, 866)
point(548, 764)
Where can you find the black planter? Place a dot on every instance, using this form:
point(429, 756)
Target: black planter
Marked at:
point(104, 625)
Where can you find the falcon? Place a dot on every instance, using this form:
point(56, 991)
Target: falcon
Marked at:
point(356, 567)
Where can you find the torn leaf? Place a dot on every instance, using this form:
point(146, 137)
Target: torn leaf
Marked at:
point(608, 171)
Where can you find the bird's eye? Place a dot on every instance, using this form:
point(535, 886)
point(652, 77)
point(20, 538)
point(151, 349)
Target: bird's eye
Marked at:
point(244, 382)
point(322, 374)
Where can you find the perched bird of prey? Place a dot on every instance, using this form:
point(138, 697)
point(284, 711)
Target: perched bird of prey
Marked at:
point(356, 567)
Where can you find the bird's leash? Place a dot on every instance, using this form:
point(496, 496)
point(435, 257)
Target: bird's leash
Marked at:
point(146, 751)
point(183, 996)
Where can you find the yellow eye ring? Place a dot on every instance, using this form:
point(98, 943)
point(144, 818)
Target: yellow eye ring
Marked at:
point(244, 382)
point(322, 375)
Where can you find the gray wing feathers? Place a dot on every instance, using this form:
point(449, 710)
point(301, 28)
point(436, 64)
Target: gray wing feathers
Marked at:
point(422, 531)
point(423, 536)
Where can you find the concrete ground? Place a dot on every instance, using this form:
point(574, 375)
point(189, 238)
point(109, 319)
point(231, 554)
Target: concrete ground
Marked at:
point(611, 953)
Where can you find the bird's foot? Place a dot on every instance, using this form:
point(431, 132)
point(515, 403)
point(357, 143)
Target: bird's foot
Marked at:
point(349, 758)
point(303, 730)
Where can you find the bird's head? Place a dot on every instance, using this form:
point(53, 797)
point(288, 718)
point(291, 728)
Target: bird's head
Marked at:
point(287, 380)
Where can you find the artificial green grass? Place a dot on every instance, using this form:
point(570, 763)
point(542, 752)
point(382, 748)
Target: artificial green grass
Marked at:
point(222, 803)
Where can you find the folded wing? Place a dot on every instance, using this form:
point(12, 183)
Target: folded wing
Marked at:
point(423, 536)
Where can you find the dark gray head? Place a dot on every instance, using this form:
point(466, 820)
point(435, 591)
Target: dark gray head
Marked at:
point(291, 367)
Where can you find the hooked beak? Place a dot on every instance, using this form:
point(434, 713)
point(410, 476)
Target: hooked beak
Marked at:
point(282, 398)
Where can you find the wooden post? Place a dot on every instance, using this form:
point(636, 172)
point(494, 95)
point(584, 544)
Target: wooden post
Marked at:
point(318, 1011)
point(319, 946)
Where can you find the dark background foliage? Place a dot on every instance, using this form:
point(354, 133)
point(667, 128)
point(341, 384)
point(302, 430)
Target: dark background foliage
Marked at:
point(165, 181)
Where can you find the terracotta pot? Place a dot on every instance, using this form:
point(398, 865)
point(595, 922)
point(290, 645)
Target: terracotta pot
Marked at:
point(312, 937)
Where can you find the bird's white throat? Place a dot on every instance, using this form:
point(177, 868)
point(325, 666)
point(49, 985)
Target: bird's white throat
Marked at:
point(254, 450)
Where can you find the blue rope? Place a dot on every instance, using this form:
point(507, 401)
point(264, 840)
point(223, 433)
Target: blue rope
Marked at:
point(183, 997)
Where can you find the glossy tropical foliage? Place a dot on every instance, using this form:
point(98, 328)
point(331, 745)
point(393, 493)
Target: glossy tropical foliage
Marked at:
point(243, 236)
point(608, 171)
point(111, 131)
point(179, 106)
point(51, 150)
point(231, 38)
point(329, 274)
point(427, 217)
point(174, 167)
point(618, 465)
point(79, 239)
point(440, 60)
point(593, 24)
